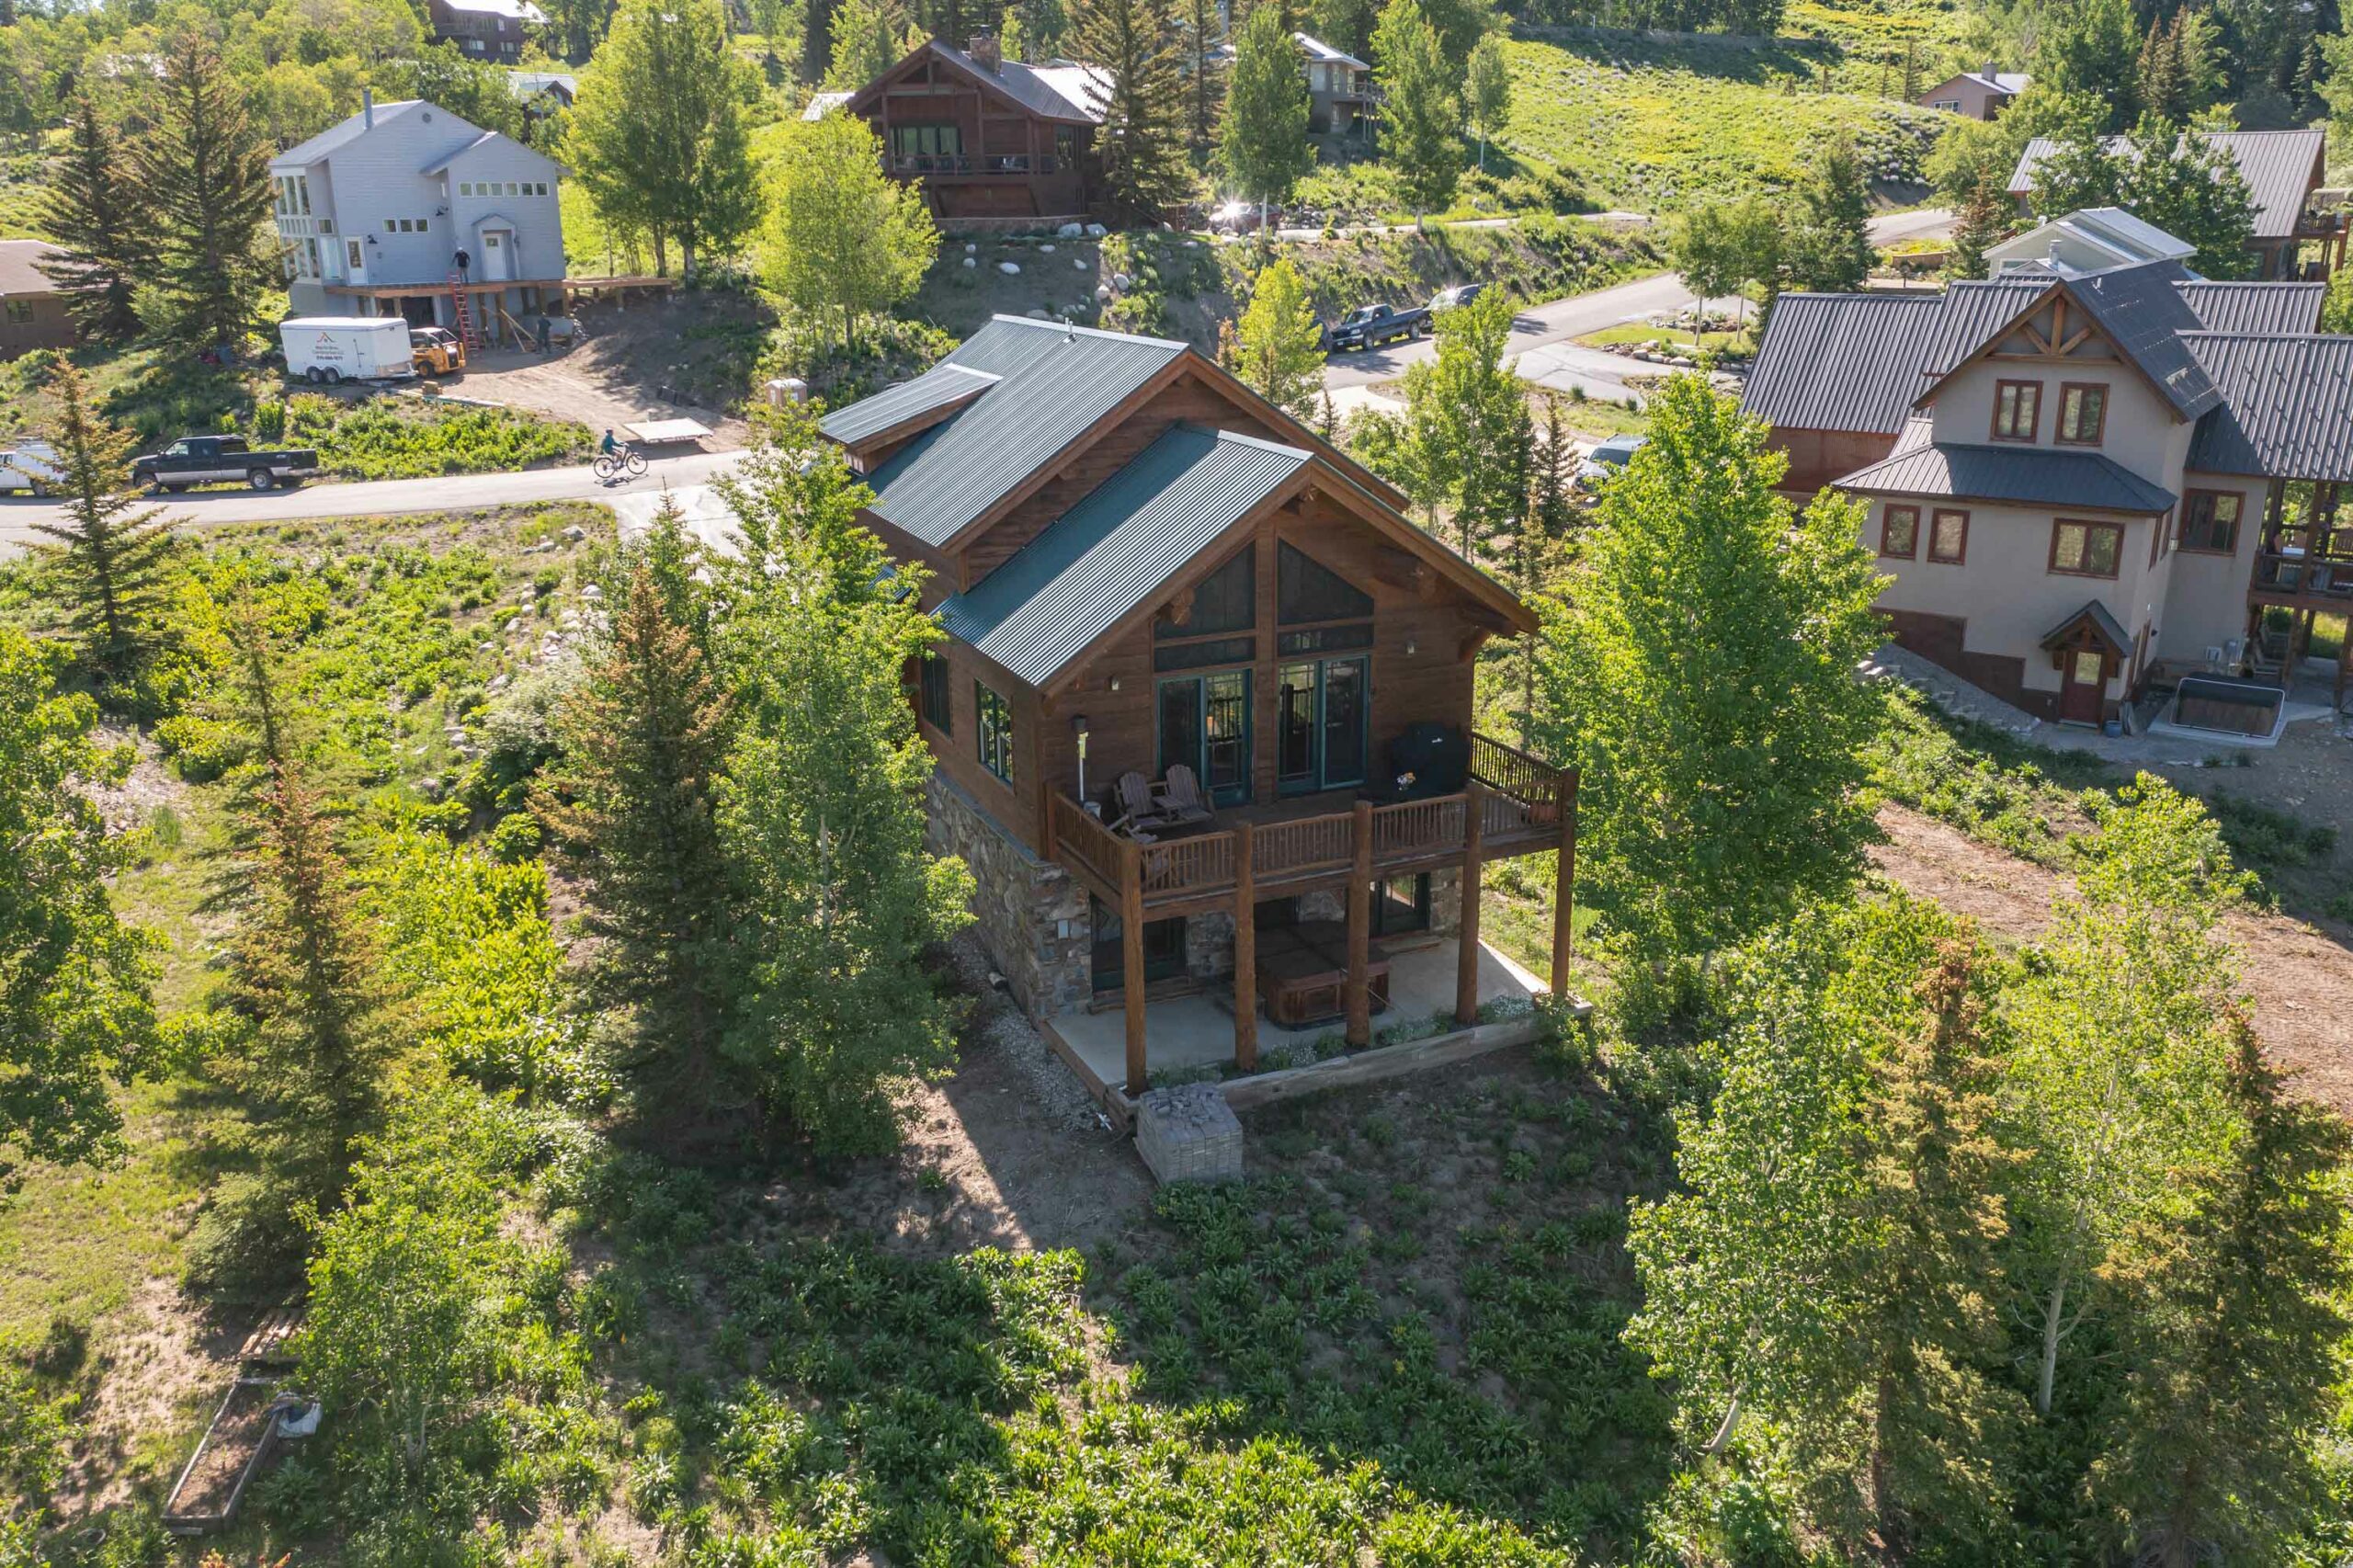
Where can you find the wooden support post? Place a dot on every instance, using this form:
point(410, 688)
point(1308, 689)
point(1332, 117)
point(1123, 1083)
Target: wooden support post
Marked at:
point(1565, 888)
point(1245, 952)
point(1466, 960)
point(1131, 958)
point(1359, 1033)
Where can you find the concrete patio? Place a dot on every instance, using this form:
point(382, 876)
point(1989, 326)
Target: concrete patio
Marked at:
point(1197, 1031)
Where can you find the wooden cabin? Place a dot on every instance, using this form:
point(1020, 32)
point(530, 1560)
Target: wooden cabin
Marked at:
point(1143, 566)
point(990, 140)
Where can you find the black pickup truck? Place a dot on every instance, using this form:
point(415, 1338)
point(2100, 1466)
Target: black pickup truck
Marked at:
point(221, 459)
point(1370, 324)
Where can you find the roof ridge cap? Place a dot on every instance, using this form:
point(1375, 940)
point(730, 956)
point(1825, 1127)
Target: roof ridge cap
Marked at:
point(1067, 328)
point(1240, 438)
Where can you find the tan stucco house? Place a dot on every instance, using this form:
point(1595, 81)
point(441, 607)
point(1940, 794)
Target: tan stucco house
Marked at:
point(1977, 95)
point(2078, 482)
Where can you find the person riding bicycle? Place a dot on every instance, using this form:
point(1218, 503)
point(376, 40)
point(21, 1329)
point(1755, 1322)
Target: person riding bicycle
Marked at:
point(608, 447)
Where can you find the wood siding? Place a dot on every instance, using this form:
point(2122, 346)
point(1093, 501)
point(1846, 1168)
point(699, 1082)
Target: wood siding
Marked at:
point(990, 127)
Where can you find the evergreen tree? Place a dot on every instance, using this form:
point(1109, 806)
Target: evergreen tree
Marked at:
point(110, 564)
point(1013, 35)
point(2078, 171)
point(1262, 147)
point(1984, 224)
point(2090, 50)
point(658, 135)
point(98, 216)
point(1828, 1266)
point(76, 1013)
point(1459, 25)
point(1141, 144)
point(870, 36)
point(1421, 112)
point(1542, 544)
point(843, 236)
point(631, 808)
point(1345, 25)
point(2337, 305)
point(1702, 675)
point(2235, 1335)
point(204, 165)
point(1487, 92)
point(1279, 348)
point(1827, 243)
point(1205, 75)
point(822, 813)
point(302, 967)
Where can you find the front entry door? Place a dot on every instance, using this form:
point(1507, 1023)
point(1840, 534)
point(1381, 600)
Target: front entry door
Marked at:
point(2082, 687)
point(1320, 738)
point(496, 246)
point(1205, 725)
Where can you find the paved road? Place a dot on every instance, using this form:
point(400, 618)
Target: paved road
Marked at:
point(375, 497)
point(1543, 334)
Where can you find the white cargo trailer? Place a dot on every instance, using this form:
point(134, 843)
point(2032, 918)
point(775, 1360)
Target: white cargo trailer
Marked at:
point(347, 348)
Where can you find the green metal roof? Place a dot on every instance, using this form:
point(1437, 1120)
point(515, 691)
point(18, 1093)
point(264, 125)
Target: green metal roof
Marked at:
point(1054, 382)
point(942, 386)
point(1116, 547)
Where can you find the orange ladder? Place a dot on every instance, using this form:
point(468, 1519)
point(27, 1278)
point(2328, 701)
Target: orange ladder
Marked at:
point(464, 316)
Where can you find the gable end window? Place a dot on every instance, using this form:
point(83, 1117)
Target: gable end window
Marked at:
point(933, 694)
point(1949, 538)
point(2083, 413)
point(1899, 533)
point(2085, 549)
point(2209, 521)
point(2017, 410)
point(995, 729)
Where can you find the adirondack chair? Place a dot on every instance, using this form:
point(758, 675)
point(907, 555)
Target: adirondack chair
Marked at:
point(1180, 798)
point(1140, 812)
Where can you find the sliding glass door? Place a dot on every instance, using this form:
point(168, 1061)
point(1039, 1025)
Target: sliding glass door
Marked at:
point(1205, 725)
point(1320, 740)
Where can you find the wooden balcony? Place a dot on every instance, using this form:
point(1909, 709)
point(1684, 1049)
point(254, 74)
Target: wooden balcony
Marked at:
point(2294, 579)
point(1513, 804)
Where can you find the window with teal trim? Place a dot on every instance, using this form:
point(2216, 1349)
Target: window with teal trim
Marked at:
point(996, 728)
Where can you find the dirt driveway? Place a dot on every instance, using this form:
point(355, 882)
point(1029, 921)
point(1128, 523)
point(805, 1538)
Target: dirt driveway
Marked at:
point(2296, 978)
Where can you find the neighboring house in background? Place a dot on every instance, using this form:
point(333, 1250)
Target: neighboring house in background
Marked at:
point(2087, 240)
point(373, 212)
point(1141, 567)
point(32, 311)
point(543, 95)
point(991, 140)
point(2080, 480)
point(487, 30)
point(1977, 95)
point(1339, 86)
point(2282, 170)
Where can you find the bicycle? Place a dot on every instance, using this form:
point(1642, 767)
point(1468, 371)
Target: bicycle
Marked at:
point(612, 465)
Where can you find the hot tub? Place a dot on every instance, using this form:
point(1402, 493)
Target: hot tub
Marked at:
point(2218, 705)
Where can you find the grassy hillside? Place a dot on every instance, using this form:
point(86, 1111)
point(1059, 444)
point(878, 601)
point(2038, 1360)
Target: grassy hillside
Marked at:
point(1653, 126)
point(1871, 38)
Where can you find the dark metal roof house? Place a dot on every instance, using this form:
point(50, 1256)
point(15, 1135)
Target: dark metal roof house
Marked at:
point(2282, 168)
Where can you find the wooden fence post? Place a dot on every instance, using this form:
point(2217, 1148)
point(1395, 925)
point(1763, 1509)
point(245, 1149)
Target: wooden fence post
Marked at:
point(1360, 1029)
point(1466, 959)
point(1132, 958)
point(1246, 951)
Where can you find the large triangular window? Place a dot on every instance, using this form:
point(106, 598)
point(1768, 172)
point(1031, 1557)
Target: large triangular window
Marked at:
point(1307, 591)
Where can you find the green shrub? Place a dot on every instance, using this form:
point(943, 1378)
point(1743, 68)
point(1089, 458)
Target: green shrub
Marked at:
point(202, 749)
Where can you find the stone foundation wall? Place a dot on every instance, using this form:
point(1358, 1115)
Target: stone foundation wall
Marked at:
point(1029, 914)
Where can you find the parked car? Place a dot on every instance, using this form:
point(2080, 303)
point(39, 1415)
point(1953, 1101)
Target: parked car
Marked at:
point(1454, 298)
point(28, 468)
point(1368, 325)
point(216, 459)
point(1243, 218)
point(1608, 457)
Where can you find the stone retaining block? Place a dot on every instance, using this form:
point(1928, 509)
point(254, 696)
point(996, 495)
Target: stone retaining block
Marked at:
point(1188, 1133)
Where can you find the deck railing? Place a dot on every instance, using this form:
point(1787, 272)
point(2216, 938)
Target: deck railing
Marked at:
point(1520, 809)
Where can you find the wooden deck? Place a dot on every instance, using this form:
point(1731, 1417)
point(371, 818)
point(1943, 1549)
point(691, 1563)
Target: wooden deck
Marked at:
point(1513, 804)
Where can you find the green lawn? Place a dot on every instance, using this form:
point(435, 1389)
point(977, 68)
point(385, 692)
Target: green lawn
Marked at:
point(1656, 126)
point(1638, 332)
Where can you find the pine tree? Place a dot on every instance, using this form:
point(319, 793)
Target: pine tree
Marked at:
point(303, 967)
point(2191, 188)
point(1827, 243)
point(631, 808)
point(2237, 1322)
point(110, 563)
point(1205, 75)
point(1262, 147)
point(1279, 348)
point(870, 36)
point(204, 164)
point(822, 813)
point(1984, 224)
point(1421, 111)
point(1141, 143)
point(98, 216)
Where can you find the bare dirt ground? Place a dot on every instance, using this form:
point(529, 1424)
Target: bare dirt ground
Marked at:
point(156, 1369)
point(2295, 977)
point(687, 357)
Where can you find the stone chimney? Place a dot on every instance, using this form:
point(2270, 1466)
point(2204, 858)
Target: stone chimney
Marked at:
point(985, 53)
point(1988, 72)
